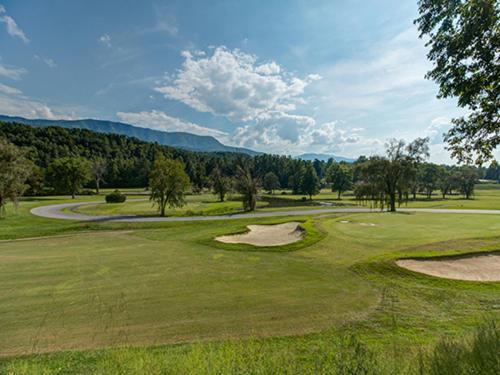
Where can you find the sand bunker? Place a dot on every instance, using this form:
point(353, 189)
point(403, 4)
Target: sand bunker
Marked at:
point(267, 235)
point(484, 267)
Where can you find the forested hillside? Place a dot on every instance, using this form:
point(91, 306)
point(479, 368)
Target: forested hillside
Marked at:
point(182, 140)
point(126, 162)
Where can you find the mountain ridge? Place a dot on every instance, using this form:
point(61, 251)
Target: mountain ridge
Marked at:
point(184, 140)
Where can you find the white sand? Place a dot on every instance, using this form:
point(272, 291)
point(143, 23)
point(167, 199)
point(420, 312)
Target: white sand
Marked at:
point(484, 267)
point(267, 235)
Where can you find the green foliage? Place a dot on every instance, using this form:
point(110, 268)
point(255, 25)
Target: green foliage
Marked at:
point(270, 182)
point(221, 184)
point(15, 170)
point(467, 179)
point(168, 183)
point(116, 197)
point(247, 185)
point(493, 171)
point(69, 174)
point(340, 176)
point(385, 180)
point(477, 356)
point(429, 177)
point(464, 44)
point(310, 181)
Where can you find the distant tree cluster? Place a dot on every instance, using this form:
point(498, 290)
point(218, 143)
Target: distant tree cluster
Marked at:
point(403, 172)
point(56, 160)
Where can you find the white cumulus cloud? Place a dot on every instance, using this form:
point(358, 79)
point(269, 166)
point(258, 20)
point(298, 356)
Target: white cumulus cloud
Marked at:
point(233, 84)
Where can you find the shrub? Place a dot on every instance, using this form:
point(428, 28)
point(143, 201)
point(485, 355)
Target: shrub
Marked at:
point(115, 197)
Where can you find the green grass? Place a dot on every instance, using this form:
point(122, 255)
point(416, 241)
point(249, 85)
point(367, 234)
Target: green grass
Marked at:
point(181, 303)
point(197, 205)
point(486, 197)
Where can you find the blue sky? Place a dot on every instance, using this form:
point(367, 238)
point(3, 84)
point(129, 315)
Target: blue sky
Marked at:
point(277, 76)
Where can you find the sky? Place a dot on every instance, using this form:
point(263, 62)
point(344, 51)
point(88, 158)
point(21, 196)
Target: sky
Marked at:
point(286, 77)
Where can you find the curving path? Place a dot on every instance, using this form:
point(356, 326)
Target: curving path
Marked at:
point(55, 212)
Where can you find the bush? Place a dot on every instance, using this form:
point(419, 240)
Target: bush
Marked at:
point(116, 197)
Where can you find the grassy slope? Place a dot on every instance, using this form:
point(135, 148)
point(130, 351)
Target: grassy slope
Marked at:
point(161, 283)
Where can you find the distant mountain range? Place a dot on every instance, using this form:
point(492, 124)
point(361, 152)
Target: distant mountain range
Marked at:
point(324, 157)
point(182, 140)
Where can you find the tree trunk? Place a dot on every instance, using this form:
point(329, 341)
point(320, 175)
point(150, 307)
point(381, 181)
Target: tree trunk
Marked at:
point(339, 195)
point(163, 203)
point(97, 186)
point(72, 194)
point(392, 201)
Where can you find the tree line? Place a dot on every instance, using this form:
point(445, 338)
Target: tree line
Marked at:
point(54, 160)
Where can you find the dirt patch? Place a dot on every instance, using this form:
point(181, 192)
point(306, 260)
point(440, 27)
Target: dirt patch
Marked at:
point(483, 267)
point(267, 235)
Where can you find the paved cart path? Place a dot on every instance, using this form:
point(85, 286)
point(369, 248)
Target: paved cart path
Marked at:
point(55, 211)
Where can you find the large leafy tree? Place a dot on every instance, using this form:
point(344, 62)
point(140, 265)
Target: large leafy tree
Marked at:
point(340, 175)
point(467, 179)
point(270, 182)
point(221, 184)
point(464, 41)
point(310, 181)
point(247, 185)
point(69, 174)
point(430, 174)
point(15, 170)
point(168, 183)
